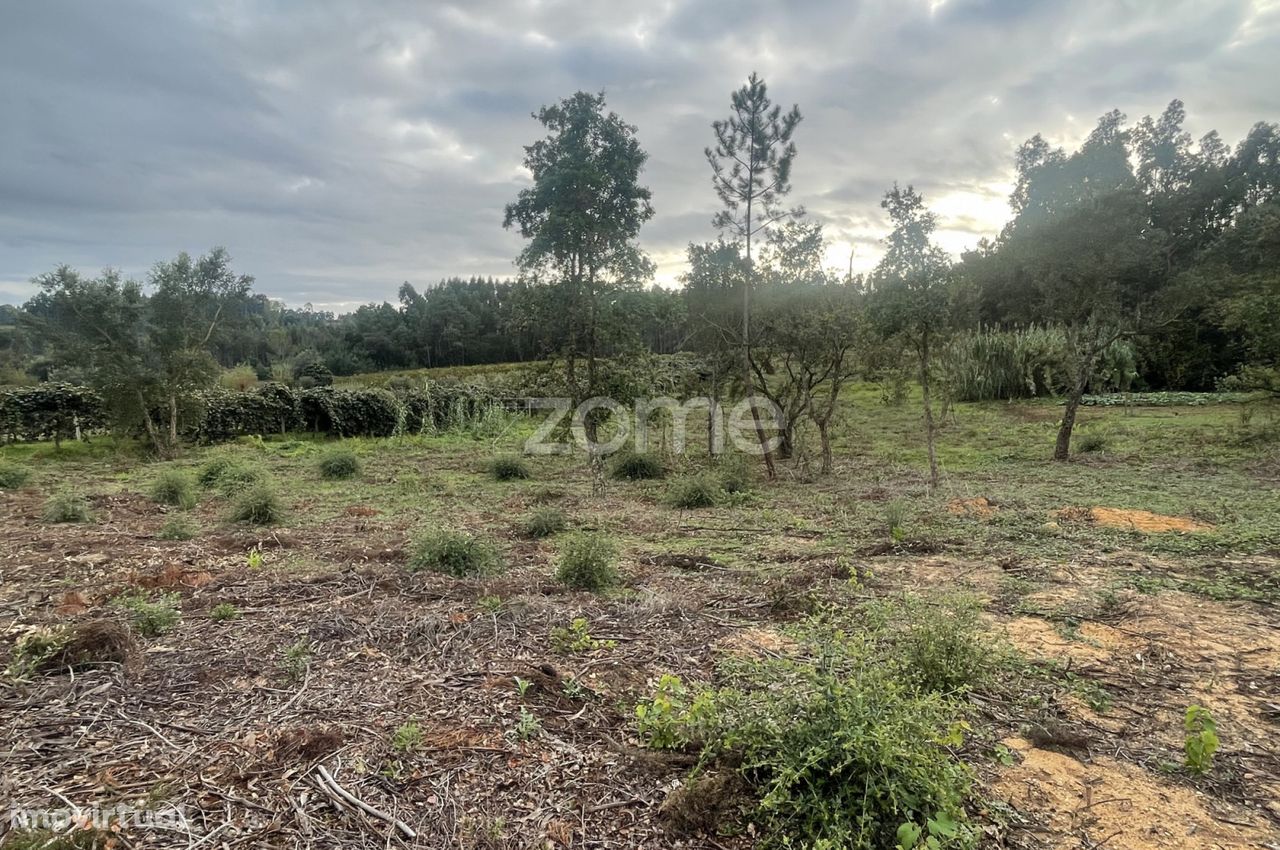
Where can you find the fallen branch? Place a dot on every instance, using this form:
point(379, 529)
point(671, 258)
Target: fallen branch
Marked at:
point(328, 783)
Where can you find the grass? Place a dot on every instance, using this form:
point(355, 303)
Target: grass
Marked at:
point(150, 617)
point(509, 468)
point(174, 487)
point(694, 491)
point(67, 506)
point(12, 475)
point(338, 465)
point(259, 505)
point(455, 553)
point(178, 528)
point(544, 522)
point(637, 466)
point(588, 562)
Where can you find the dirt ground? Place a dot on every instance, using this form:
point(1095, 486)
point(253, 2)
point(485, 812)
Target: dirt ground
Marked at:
point(206, 719)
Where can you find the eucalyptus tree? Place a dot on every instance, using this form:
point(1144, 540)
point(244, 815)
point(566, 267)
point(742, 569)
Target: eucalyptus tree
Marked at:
point(751, 172)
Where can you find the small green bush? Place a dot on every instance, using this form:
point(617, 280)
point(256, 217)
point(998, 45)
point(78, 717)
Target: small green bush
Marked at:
point(1201, 740)
point(734, 472)
point(13, 476)
point(213, 470)
point(408, 737)
point(1091, 442)
point(150, 618)
point(224, 611)
point(693, 491)
point(544, 522)
point(33, 649)
point(295, 659)
point(587, 562)
point(454, 553)
point(178, 528)
point(637, 466)
point(338, 464)
point(174, 487)
point(935, 643)
point(228, 476)
point(577, 637)
point(259, 505)
point(509, 468)
point(67, 506)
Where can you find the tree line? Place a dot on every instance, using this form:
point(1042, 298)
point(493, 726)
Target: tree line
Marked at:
point(1141, 259)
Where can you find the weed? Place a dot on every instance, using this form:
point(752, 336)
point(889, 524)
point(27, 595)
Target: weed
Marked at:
point(259, 505)
point(636, 466)
point(693, 491)
point(174, 487)
point(178, 527)
point(226, 475)
point(935, 642)
point(33, 650)
point(47, 839)
point(408, 737)
point(67, 506)
point(1201, 739)
point(150, 618)
point(1091, 442)
point(338, 464)
point(587, 562)
point(295, 660)
point(734, 474)
point(577, 638)
point(255, 560)
point(522, 686)
point(670, 719)
point(895, 520)
point(544, 522)
point(13, 476)
point(490, 604)
point(509, 468)
point(454, 553)
point(224, 611)
point(528, 726)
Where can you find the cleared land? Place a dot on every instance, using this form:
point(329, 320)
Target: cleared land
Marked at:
point(1118, 589)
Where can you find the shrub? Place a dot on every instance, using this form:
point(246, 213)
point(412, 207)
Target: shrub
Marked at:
point(839, 751)
point(227, 475)
point(1201, 739)
point(12, 476)
point(544, 522)
point(587, 563)
point(33, 650)
point(213, 470)
point(408, 737)
point(509, 468)
point(178, 528)
point(259, 505)
point(454, 553)
point(693, 491)
point(224, 611)
point(1091, 442)
point(295, 660)
point(935, 643)
point(67, 506)
point(174, 487)
point(150, 618)
point(637, 466)
point(735, 474)
point(338, 464)
point(577, 638)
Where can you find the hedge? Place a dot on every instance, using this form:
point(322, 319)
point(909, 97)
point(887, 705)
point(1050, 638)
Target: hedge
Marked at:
point(51, 411)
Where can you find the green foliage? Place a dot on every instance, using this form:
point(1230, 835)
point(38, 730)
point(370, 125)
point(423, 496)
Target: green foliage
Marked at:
point(636, 466)
point(1090, 442)
point(734, 474)
point(258, 505)
point(295, 659)
point(178, 528)
point(694, 491)
point(527, 726)
point(150, 618)
point(454, 553)
point(408, 737)
point(33, 650)
point(13, 476)
point(587, 562)
point(544, 522)
point(577, 638)
point(174, 487)
point(338, 464)
point(934, 643)
point(1201, 739)
point(224, 611)
point(806, 729)
point(49, 411)
point(47, 839)
point(895, 520)
point(67, 506)
point(509, 468)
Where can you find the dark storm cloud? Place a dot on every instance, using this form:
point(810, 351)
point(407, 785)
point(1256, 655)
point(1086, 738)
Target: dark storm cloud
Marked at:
point(338, 149)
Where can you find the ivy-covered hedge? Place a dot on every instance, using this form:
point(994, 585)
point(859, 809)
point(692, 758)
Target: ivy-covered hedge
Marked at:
point(51, 411)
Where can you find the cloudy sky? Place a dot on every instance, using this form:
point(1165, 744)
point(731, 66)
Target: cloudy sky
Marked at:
point(338, 149)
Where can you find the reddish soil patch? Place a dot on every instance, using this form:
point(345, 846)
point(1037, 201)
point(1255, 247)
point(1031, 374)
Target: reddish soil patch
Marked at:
point(1132, 520)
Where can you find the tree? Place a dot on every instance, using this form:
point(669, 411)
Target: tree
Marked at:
point(144, 356)
point(581, 217)
point(911, 292)
point(751, 172)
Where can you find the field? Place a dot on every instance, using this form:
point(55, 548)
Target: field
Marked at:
point(1112, 593)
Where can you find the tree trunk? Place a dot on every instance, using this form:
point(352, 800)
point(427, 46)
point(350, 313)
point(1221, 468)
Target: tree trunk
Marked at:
point(928, 413)
point(747, 376)
point(1062, 449)
point(824, 436)
point(173, 422)
point(150, 425)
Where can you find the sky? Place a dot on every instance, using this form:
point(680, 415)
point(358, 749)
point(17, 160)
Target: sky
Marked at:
point(337, 149)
